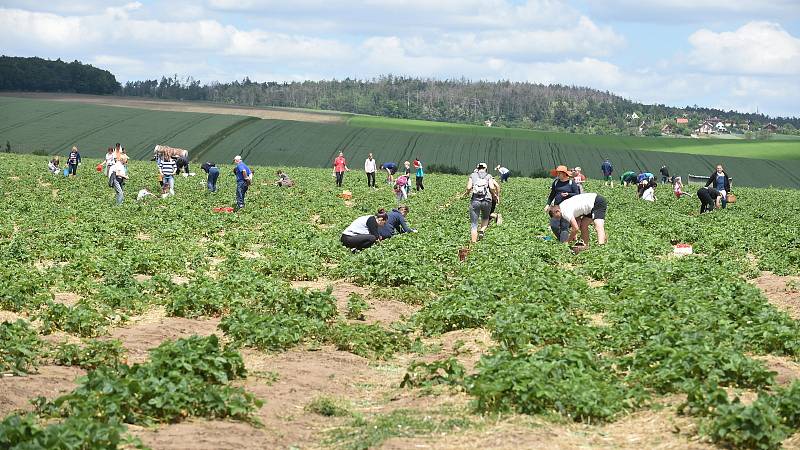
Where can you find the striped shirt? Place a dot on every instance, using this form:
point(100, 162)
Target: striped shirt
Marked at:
point(168, 168)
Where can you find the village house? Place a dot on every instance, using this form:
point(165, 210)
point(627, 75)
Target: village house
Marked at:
point(771, 127)
point(682, 121)
point(705, 128)
point(667, 129)
point(488, 122)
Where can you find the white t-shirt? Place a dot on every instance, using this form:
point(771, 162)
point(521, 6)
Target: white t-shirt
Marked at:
point(503, 170)
point(369, 165)
point(649, 194)
point(577, 205)
point(109, 159)
point(119, 169)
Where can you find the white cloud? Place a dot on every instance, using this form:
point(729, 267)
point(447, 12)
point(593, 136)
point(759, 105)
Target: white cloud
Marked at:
point(692, 10)
point(755, 48)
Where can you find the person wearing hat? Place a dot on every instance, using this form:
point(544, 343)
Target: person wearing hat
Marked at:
point(562, 188)
point(504, 173)
point(482, 188)
point(580, 211)
point(243, 178)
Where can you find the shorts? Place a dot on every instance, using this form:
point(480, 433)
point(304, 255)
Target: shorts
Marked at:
point(599, 209)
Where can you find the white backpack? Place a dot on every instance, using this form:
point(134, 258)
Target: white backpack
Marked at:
point(480, 185)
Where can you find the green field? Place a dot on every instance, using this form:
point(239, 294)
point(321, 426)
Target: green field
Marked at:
point(163, 320)
point(52, 127)
point(781, 147)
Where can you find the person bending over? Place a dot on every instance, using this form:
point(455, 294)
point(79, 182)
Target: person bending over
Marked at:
point(396, 223)
point(580, 211)
point(364, 231)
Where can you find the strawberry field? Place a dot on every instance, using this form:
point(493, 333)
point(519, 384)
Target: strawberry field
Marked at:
point(161, 323)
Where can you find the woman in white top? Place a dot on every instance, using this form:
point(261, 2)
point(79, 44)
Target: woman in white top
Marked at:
point(649, 193)
point(369, 168)
point(364, 231)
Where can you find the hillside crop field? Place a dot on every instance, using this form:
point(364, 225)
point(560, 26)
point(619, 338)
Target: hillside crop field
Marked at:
point(160, 322)
point(53, 127)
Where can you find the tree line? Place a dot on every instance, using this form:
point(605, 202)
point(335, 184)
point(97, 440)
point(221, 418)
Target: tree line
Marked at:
point(504, 103)
point(42, 75)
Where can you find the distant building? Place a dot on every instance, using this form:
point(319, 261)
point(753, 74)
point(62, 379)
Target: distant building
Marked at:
point(634, 116)
point(720, 127)
point(771, 127)
point(682, 120)
point(667, 129)
point(705, 128)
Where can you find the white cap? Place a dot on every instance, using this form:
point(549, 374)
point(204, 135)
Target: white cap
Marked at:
point(237, 158)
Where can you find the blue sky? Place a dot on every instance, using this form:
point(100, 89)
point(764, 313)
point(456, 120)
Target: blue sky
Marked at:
point(729, 54)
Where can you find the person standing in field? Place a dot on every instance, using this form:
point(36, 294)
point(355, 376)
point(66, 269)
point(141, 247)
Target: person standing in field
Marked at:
point(504, 173)
point(579, 178)
point(168, 168)
point(339, 168)
point(364, 231)
point(481, 187)
point(73, 160)
point(213, 173)
point(53, 165)
point(720, 181)
point(664, 171)
point(244, 176)
point(562, 188)
point(581, 211)
point(109, 160)
point(710, 198)
point(369, 169)
point(607, 170)
point(419, 174)
point(116, 179)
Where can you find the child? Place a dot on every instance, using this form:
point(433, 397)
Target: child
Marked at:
point(400, 188)
point(54, 165)
point(649, 192)
point(579, 178)
point(283, 179)
point(677, 187)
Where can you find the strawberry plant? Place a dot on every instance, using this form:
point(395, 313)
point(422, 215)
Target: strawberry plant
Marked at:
point(19, 348)
point(91, 355)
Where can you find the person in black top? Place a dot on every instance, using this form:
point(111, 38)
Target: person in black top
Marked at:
point(719, 180)
point(182, 162)
point(709, 199)
point(562, 187)
point(664, 174)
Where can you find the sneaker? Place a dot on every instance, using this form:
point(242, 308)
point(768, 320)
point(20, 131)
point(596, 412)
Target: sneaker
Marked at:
point(354, 250)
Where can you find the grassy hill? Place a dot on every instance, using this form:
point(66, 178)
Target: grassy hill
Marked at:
point(52, 127)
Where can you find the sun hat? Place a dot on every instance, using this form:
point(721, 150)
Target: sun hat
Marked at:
point(558, 169)
point(481, 166)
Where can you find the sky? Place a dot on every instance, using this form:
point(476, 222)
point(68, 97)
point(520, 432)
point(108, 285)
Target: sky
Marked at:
point(727, 54)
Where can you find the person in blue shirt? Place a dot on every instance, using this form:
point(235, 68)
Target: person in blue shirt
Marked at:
point(563, 187)
point(607, 169)
point(213, 173)
point(391, 169)
point(720, 181)
point(396, 223)
point(243, 178)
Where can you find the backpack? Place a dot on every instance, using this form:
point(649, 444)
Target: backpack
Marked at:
point(480, 186)
point(401, 181)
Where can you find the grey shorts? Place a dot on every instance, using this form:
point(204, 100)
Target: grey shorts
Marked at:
point(479, 209)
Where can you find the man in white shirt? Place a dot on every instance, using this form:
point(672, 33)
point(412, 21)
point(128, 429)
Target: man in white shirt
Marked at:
point(579, 211)
point(504, 173)
point(369, 168)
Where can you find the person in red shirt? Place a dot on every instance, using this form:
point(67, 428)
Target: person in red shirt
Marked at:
point(339, 168)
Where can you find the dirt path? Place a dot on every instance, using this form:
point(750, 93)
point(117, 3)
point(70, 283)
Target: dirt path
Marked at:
point(782, 292)
point(189, 106)
point(50, 381)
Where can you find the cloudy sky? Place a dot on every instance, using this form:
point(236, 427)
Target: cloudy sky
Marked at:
point(730, 54)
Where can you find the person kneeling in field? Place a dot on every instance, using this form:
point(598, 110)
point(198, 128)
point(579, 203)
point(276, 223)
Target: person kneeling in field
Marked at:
point(364, 231)
point(396, 223)
point(580, 211)
point(283, 179)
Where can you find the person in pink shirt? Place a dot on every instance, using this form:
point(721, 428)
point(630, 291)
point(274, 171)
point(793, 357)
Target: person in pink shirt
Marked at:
point(339, 168)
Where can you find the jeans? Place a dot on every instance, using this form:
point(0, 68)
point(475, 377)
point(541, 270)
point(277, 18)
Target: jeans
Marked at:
point(241, 190)
point(73, 169)
point(339, 178)
point(119, 184)
point(504, 177)
point(169, 180)
point(213, 174)
point(359, 241)
point(370, 179)
point(420, 187)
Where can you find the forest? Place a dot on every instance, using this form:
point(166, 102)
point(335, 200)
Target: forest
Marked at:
point(42, 75)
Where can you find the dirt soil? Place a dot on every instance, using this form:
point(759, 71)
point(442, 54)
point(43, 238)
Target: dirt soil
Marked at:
point(779, 295)
point(198, 107)
point(151, 329)
point(50, 381)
